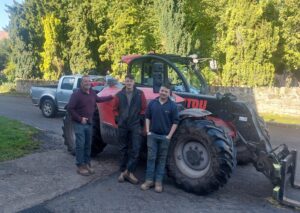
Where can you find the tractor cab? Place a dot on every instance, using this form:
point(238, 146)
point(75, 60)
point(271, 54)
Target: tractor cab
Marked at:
point(153, 70)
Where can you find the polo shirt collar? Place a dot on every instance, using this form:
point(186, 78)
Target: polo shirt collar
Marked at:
point(157, 99)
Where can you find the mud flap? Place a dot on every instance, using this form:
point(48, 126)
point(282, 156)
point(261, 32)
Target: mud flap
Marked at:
point(287, 190)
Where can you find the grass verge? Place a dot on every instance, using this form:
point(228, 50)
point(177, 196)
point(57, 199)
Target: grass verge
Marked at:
point(16, 139)
point(284, 119)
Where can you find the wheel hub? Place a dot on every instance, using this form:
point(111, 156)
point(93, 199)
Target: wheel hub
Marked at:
point(47, 109)
point(192, 158)
point(195, 155)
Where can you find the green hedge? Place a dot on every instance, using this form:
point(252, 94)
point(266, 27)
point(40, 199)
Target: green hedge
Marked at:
point(7, 87)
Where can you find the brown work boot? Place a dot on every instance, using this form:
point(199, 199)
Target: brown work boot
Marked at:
point(147, 185)
point(131, 178)
point(158, 187)
point(89, 168)
point(83, 171)
point(121, 178)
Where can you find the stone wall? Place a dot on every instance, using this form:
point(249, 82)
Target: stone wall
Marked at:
point(24, 86)
point(275, 100)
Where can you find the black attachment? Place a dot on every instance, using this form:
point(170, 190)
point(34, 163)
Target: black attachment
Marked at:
point(284, 191)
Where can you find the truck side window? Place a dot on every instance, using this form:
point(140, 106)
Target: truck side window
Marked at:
point(67, 83)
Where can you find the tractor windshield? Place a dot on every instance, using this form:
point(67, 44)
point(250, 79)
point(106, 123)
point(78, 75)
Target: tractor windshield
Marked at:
point(187, 80)
point(194, 79)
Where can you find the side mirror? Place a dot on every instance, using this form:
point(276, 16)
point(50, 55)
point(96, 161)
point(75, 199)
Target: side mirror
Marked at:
point(213, 65)
point(157, 72)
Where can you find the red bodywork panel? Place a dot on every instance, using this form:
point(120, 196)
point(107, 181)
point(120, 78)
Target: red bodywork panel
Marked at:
point(128, 58)
point(227, 126)
point(97, 83)
point(202, 104)
point(106, 108)
point(107, 116)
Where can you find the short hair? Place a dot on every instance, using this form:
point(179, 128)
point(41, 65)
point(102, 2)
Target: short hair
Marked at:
point(167, 85)
point(85, 76)
point(130, 76)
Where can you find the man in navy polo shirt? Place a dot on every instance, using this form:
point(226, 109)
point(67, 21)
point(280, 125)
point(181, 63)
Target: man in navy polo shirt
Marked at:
point(161, 123)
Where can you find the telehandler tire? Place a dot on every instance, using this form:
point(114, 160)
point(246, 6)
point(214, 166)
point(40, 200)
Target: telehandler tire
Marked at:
point(201, 156)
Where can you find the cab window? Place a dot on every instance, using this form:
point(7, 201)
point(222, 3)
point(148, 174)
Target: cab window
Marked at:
point(147, 75)
point(175, 80)
point(67, 83)
point(136, 71)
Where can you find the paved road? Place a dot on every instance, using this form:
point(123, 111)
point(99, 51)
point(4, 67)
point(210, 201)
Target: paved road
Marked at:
point(247, 190)
point(21, 108)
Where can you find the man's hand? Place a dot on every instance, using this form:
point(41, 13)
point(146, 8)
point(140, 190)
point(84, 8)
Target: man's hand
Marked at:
point(173, 128)
point(84, 120)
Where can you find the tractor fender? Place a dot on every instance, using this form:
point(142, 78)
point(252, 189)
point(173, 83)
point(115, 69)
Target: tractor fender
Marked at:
point(194, 112)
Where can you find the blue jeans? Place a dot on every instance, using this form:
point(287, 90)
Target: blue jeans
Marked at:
point(130, 142)
point(83, 133)
point(157, 156)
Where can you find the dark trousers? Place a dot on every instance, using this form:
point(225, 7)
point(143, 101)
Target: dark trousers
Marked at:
point(83, 133)
point(130, 141)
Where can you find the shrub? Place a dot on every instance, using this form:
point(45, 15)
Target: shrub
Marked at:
point(7, 87)
point(2, 78)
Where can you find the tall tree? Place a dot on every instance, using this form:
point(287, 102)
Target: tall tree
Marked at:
point(52, 63)
point(87, 21)
point(60, 10)
point(131, 30)
point(4, 53)
point(289, 19)
point(247, 41)
point(25, 58)
point(4, 58)
point(172, 24)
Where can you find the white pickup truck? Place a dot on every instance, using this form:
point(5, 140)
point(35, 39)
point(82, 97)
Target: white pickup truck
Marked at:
point(53, 98)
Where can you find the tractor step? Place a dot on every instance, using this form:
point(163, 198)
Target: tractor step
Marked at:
point(286, 192)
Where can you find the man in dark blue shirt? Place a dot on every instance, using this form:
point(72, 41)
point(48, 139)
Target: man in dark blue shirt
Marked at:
point(161, 123)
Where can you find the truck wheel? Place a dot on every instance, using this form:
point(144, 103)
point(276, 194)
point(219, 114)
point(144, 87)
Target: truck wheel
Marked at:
point(201, 158)
point(244, 156)
point(97, 143)
point(48, 108)
point(68, 133)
